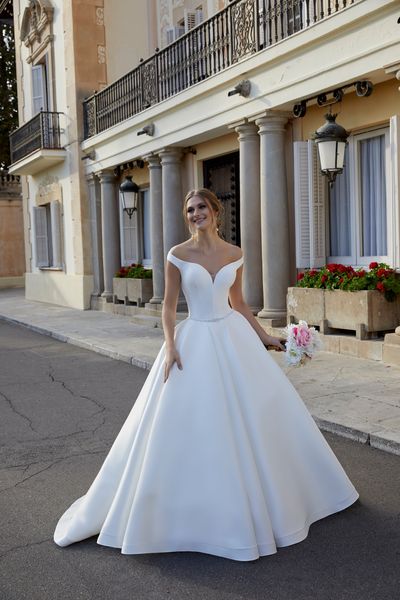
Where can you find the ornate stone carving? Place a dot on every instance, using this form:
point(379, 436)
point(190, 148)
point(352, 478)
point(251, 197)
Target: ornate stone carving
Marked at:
point(101, 54)
point(36, 27)
point(99, 15)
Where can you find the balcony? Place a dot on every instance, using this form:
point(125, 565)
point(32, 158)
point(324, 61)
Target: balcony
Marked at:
point(243, 28)
point(36, 145)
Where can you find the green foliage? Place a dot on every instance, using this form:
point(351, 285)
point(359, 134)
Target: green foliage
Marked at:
point(341, 277)
point(8, 92)
point(134, 271)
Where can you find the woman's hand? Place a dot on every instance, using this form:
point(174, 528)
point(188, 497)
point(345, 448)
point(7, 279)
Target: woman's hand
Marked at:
point(171, 357)
point(274, 343)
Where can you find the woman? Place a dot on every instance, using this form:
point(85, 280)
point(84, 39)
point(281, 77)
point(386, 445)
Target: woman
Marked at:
point(219, 454)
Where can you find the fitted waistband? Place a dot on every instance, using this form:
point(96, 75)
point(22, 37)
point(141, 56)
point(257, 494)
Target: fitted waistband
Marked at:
point(212, 320)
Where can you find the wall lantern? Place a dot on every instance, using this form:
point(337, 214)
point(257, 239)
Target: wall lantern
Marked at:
point(129, 194)
point(331, 139)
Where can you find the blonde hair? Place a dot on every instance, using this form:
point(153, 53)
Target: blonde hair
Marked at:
point(212, 202)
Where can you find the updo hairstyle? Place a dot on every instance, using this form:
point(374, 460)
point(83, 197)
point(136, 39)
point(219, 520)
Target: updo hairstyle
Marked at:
point(211, 200)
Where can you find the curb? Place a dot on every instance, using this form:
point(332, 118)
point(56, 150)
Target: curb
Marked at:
point(346, 431)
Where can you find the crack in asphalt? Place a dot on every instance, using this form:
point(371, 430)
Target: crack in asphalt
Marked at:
point(15, 548)
point(49, 466)
point(17, 412)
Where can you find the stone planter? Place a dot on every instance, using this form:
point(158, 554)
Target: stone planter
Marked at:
point(139, 291)
point(366, 312)
point(307, 304)
point(119, 289)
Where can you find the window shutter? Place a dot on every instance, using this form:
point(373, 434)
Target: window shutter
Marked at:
point(39, 96)
point(395, 166)
point(129, 238)
point(317, 194)
point(190, 20)
point(199, 16)
point(301, 203)
point(41, 236)
point(56, 239)
point(173, 33)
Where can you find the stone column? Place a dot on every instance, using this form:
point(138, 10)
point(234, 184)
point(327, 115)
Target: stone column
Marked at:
point(172, 200)
point(156, 224)
point(274, 217)
point(110, 231)
point(250, 217)
point(95, 234)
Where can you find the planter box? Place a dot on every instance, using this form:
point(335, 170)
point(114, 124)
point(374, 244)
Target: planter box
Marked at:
point(119, 289)
point(307, 304)
point(366, 312)
point(139, 291)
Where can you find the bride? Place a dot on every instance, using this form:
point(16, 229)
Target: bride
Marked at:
point(219, 453)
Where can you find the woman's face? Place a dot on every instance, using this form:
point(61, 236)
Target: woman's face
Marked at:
point(199, 214)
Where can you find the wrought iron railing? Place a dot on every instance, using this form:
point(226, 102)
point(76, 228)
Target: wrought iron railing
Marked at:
point(241, 29)
point(40, 133)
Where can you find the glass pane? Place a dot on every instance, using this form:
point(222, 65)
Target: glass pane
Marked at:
point(373, 196)
point(339, 212)
point(146, 226)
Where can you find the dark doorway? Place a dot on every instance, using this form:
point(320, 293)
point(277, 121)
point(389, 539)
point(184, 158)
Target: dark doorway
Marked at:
point(221, 175)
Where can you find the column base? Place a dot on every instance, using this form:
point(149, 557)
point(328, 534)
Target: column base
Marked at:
point(273, 318)
point(255, 310)
point(109, 296)
point(156, 300)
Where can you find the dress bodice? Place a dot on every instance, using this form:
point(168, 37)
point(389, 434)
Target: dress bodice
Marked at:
point(207, 298)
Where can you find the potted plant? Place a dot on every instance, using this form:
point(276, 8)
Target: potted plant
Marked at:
point(133, 284)
point(340, 297)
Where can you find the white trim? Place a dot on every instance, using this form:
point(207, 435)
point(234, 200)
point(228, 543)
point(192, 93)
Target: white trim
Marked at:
point(395, 186)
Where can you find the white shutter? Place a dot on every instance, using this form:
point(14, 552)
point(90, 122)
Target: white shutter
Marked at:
point(173, 33)
point(301, 203)
point(41, 236)
point(39, 96)
point(395, 195)
point(56, 238)
point(199, 16)
point(317, 195)
point(129, 237)
point(190, 20)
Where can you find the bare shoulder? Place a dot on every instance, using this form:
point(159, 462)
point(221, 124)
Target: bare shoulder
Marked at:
point(181, 250)
point(233, 252)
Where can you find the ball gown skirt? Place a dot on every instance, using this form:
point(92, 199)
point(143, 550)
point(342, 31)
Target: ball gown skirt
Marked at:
point(224, 458)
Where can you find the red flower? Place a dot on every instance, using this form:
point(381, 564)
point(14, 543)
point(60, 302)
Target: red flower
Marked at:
point(342, 269)
point(341, 280)
point(373, 265)
point(380, 286)
point(381, 272)
point(361, 273)
point(300, 276)
point(312, 273)
point(324, 278)
point(331, 267)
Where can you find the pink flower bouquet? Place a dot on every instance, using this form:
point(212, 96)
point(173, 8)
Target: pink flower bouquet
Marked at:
point(301, 344)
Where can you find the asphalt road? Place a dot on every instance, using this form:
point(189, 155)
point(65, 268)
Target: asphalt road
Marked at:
point(60, 409)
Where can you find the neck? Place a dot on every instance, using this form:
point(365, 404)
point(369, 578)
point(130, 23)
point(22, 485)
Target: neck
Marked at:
point(206, 240)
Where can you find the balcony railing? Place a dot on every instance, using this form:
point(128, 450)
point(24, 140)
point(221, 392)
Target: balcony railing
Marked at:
point(40, 133)
point(241, 29)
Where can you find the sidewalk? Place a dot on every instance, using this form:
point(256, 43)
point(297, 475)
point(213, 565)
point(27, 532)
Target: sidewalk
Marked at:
point(352, 397)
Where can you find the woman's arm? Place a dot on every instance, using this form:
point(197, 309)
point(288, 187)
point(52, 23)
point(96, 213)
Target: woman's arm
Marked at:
point(238, 303)
point(172, 286)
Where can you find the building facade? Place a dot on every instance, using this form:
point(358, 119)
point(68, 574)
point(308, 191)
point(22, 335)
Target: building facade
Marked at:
point(192, 94)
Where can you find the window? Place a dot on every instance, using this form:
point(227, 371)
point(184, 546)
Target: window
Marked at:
point(349, 223)
point(358, 203)
point(135, 233)
point(47, 232)
point(39, 88)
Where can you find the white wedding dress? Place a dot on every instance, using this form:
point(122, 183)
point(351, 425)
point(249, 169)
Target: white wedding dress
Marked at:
point(224, 458)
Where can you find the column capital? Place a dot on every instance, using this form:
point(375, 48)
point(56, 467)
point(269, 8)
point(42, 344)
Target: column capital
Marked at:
point(171, 155)
point(247, 131)
point(106, 176)
point(153, 161)
point(91, 178)
point(271, 121)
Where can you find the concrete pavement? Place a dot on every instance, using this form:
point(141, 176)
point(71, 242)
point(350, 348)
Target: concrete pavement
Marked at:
point(353, 397)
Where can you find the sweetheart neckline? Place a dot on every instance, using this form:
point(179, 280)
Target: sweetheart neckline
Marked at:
point(191, 262)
